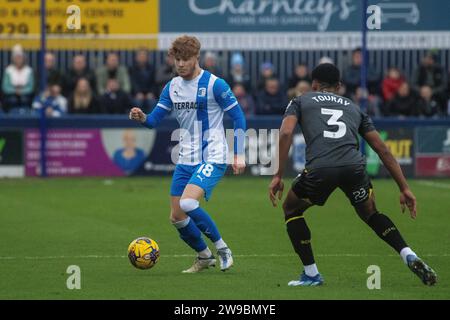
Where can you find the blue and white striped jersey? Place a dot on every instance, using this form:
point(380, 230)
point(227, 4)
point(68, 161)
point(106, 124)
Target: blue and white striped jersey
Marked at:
point(199, 105)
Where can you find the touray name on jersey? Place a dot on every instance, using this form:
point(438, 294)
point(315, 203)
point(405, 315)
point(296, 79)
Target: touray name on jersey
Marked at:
point(331, 99)
point(189, 105)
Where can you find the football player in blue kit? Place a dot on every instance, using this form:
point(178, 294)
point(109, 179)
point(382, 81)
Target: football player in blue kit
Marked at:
point(199, 100)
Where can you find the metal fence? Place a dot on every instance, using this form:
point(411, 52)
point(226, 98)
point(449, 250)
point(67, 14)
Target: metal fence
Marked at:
point(283, 61)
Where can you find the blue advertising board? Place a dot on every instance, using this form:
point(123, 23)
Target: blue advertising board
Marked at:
point(299, 15)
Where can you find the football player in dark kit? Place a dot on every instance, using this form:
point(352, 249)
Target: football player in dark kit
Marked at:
point(331, 124)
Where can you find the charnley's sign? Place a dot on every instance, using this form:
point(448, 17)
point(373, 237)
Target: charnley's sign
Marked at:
point(310, 24)
point(299, 15)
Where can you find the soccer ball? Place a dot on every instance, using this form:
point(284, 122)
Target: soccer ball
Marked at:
point(143, 253)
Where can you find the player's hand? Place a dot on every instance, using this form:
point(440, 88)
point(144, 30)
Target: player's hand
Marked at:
point(276, 187)
point(407, 199)
point(136, 114)
point(238, 164)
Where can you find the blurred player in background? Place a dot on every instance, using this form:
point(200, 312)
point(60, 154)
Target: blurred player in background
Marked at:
point(330, 124)
point(199, 100)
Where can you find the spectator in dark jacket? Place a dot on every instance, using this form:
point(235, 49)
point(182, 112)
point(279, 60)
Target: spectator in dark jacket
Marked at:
point(429, 106)
point(352, 75)
point(54, 76)
point(115, 100)
point(431, 74)
point(405, 103)
point(271, 100)
point(143, 87)
point(78, 70)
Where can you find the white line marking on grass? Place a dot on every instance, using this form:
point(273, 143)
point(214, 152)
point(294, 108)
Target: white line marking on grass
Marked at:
point(350, 255)
point(439, 185)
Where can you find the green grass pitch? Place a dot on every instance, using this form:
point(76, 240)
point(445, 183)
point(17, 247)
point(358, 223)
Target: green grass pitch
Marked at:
point(47, 225)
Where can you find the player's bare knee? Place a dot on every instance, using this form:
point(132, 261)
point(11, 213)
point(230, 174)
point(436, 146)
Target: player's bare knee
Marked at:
point(177, 216)
point(287, 209)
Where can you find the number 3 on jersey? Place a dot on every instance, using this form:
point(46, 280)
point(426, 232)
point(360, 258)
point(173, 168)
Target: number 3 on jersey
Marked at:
point(333, 121)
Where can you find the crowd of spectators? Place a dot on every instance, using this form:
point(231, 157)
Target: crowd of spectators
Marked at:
point(114, 88)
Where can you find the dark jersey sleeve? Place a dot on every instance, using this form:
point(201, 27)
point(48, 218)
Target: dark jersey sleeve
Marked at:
point(366, 124)
point(293, 109)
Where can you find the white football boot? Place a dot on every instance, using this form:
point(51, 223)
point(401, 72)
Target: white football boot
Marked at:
point(201, 264)
point(225, 258)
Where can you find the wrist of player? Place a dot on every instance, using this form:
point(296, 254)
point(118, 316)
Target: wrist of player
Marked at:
point(403, 188)
point(239, 158)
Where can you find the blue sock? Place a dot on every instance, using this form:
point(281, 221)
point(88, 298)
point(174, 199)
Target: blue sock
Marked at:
point(190, 233)
point(205, 224)
point(201, 218)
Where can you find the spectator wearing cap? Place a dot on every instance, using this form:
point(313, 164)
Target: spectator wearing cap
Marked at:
point(267, 71)
point(325, 59)
point(237, 72)
point(271, 100)
point(18, 81)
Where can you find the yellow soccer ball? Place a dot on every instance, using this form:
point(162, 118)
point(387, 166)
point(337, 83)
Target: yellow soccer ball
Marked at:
point(143, 253)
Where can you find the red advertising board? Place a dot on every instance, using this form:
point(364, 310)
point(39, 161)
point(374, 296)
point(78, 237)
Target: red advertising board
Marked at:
point(433, 166)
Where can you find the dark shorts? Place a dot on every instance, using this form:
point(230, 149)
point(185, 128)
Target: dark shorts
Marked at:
point(317, 184)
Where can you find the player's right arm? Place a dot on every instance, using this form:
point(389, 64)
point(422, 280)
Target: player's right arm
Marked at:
point(162, 109)
point(288, 125)
point(407, 198)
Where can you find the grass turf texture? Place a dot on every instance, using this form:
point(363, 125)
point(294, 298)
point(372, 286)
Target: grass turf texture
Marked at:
point(47, 225)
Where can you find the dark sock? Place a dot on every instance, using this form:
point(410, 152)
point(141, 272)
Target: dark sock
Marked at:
point(300, 236)
point(386, 230)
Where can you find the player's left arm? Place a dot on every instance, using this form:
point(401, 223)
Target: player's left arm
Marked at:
point(370, 134)
point(407, 198)
point(228, 102)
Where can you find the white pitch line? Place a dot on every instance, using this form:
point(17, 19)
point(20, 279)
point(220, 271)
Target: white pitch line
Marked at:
point(192, 256)
point(438, 185)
